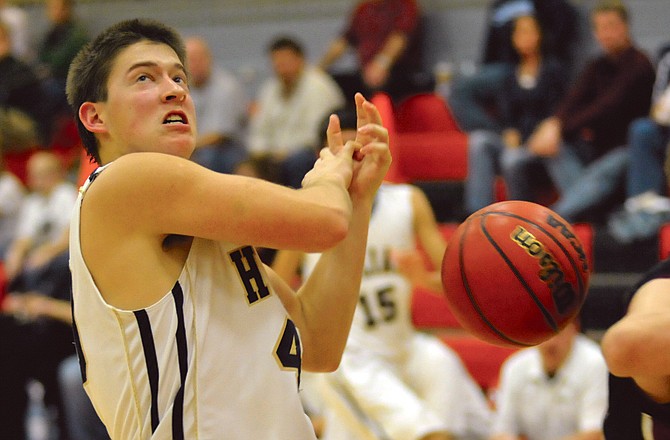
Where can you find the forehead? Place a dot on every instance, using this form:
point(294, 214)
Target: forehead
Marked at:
point(607, 17)
point(144, 53)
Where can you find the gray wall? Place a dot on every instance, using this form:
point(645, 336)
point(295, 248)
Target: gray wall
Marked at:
point(240, 30)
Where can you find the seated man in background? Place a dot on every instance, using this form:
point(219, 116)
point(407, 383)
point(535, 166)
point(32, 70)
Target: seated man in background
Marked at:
point(222, 108)
point(555, 391)
point(647, 206)
point(35, 331)
point(290, 108)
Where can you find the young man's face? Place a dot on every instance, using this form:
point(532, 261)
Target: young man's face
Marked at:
point(148, 105)
point(611, 31)
point(287, 65)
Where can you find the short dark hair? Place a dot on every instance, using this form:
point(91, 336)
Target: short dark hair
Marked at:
point(286, 42)
point(612, 6)
point(90, 69)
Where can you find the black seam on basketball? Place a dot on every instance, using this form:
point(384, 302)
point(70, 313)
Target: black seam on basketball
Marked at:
point(473, 301)
point(547, 316)
point(573, 263)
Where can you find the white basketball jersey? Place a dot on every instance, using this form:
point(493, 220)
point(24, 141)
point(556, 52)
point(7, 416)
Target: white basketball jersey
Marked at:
point(382, 322)
point(216, 358)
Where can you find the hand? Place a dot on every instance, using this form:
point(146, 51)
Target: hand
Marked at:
point(412, 266)
point(40, 257)
point(26, 307)
point(375, 74)
point(511, 138)
point(336, 161)
point(373, 158)
point(546, 140)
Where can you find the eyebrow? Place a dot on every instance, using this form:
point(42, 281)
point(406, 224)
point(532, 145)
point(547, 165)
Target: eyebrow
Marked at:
point(178, 66)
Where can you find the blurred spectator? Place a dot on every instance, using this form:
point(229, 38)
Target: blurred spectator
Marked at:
point(532, 89)
point(387, 36)
point(221, 105)
point(21, 90)
point(34, 257)
point(582, 145)
point(35, 335)
point(555, 391)
point(472, 97)
point(81, 419)
point(58, 47)
point(558, 19)
point(11, 198)
point(647, 206)
point(287, 119)
point(16, 20)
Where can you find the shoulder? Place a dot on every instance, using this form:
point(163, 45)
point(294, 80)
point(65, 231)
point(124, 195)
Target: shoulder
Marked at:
point(522, 362)
point(588, 352)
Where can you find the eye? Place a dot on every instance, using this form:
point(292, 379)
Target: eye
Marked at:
point(180, 79)
point(142, 78)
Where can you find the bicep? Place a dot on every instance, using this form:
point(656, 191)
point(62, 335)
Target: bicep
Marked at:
point(158, 194)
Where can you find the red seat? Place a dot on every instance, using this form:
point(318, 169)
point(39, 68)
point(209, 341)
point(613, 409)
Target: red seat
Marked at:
point(664, 242)
point(385, 106)
point(429, 143)
point(425, 112)
point(430, 309)
point(483, 360)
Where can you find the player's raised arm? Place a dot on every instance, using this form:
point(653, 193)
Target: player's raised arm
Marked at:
point(325, 304)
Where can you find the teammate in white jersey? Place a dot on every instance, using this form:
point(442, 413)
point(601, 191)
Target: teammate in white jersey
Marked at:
point(181, 331)
point(403, 384)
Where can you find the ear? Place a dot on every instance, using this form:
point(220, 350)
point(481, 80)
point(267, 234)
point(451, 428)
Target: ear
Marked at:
point(90, 116)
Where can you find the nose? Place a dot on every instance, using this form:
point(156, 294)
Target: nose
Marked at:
point(174, 91)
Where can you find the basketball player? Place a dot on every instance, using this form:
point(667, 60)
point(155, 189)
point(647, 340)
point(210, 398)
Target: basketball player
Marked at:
point(636, 350)
point(181, 331)
point(402, 384)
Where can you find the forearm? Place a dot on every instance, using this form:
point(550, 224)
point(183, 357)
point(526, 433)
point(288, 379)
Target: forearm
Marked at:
point(329, 296)
point(588, 435)
point(335, 51)
point(392, 50)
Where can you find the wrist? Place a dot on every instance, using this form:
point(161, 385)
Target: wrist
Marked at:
point(382, 60)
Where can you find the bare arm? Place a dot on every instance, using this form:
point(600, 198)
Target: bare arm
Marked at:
point(286, 265)
point(336, 49)
point(432, 241)
point(590, 435)
point(30, 306)
point(636, 346)
point(505, 437)
point(324, 306)
point(159, 194)
point(376, 72)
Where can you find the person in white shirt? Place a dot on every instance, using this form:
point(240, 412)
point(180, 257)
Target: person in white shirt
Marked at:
point(554, 391)
point(43, 222)
point(17, 20)
point(221, 104)
point(12, 193)
point(290, 108)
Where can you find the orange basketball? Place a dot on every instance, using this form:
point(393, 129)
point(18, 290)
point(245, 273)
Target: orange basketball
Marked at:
point(515, 273)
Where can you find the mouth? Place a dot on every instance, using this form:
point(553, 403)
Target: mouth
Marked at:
point(176, 118)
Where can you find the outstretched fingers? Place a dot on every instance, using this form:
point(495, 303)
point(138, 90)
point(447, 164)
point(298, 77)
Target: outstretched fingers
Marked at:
point(334, 134)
